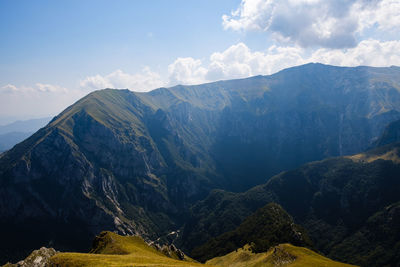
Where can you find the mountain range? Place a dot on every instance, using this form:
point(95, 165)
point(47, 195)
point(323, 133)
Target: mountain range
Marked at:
point(13, 133)
point(199, 159)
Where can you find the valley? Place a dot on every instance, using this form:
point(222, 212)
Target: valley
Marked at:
point(319, 141)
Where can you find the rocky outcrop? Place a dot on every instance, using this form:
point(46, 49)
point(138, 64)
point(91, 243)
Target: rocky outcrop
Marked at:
point(38, 258)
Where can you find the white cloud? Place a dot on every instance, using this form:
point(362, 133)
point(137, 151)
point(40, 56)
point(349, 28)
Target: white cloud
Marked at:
point(367, 53)
point(9, 88)
point(37, 88)
point(239, 61)
point(95, 82)
point(186, 70)
point(40, 99)
point(43, 87)
point(315, 23)
point(385, 15)
point(144, 81)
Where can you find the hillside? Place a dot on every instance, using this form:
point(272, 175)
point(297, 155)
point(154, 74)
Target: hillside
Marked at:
point(267, 227)
point(336, 200)
point(135, 162)
point(282, 255)
point(114, 250)
point(110, 249)
point(138, 253)
point(391, 134)
point(377, 242)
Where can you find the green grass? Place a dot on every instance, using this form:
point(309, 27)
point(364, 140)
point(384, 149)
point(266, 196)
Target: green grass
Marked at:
point(281, 255)
point(111, 249)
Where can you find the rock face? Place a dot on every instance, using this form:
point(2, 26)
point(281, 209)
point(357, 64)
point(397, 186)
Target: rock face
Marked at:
point(135, 162)
point(38, 258)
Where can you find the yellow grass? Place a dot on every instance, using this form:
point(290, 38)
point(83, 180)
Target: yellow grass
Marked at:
point(282, 255)
point(389, 155)
point(120, 251)
point(115, 250)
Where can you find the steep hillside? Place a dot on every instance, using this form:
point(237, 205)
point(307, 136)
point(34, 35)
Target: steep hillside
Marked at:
point(135, 162)
point(377, 242)
point(267, 227)
point(391, 134)
point(334, 200)
point(282, 255)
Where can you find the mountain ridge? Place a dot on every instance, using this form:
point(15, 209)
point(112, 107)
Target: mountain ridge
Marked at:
point(136, 162)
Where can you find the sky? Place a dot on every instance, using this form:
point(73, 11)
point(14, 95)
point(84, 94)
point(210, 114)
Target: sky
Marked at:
point(54, 52)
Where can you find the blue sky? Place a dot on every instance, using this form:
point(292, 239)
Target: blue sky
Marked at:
point(57, 41)
point(54, 52)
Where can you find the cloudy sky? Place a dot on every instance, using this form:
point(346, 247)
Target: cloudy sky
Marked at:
point(54, 52)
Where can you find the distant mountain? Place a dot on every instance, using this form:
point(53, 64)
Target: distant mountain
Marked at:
point(8, 140)
point(267, 227)
point(25, 126)
point(12, 134)
point(348, 205)
point(136, 162)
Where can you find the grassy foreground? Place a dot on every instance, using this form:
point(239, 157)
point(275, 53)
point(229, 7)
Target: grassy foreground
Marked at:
point(110, 249)
point(281, 255)
point(115, 250)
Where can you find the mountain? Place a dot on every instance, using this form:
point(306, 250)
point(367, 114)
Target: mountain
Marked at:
point(136, 162)
point(25, 126)
point(377, 242)
point(344, 203)
point(267, 227)
point(282, 255)
point(8, 140)
point(391, 134)
point(13, 133)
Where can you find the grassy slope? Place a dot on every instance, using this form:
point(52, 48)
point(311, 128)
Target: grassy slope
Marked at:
point(111, 249)
point(282, 255)
point(116, 250)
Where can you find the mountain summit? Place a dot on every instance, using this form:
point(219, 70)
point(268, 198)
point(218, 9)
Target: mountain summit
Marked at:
point(135, 162)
